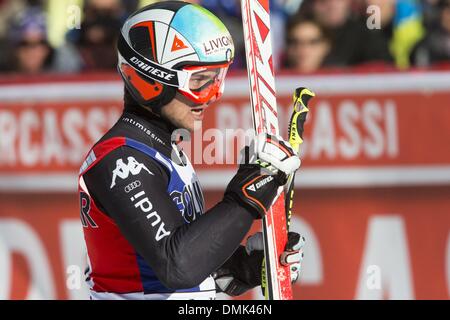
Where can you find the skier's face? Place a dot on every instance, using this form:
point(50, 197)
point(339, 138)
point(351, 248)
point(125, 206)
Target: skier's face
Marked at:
point(182, 113)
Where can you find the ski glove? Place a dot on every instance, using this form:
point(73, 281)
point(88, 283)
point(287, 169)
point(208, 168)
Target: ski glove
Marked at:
point(292, 256)
point(265, 166)
point(245, 269)
point(240, 273)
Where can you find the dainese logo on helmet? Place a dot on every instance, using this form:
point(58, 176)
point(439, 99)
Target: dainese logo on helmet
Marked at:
point(145, 67)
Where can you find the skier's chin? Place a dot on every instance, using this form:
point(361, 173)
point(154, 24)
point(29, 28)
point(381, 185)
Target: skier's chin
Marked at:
point(188, 122)
point(191, 124)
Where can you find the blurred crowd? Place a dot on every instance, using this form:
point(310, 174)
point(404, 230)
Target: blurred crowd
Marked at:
point(71, 36)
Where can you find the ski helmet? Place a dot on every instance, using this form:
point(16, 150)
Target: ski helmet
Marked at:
point(174, 46)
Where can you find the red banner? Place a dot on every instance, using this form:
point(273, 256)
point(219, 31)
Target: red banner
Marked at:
point(372, 193)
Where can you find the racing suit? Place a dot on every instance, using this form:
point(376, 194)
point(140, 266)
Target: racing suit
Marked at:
point(146, 230)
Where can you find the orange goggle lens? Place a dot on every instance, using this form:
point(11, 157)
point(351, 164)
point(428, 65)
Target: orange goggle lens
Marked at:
point(205, 82)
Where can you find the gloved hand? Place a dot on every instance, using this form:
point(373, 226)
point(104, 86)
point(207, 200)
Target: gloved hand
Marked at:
point(292, 256)
point(244, 270)
point(265, 167)
point(240, 273)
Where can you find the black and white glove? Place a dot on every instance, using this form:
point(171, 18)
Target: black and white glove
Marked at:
point(292, 255)
point(265, 166)
point(244, 270)
point(240, 273)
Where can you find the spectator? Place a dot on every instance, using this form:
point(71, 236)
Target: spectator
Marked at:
point(435, 48)
point(387, 12)
point(8, 9)
point(352, 42)
point(403, 22)
point(430, 12)
point(31, 52)
point(308, 44)
point(96, 40)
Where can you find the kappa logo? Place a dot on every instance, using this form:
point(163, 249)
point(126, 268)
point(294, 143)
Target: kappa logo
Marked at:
point(123, 170)
point(178, 44)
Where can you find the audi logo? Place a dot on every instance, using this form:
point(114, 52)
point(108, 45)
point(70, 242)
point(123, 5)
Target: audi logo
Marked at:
point(132, 186)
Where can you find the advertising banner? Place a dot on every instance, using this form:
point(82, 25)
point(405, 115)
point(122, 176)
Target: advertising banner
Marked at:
point(372, 196)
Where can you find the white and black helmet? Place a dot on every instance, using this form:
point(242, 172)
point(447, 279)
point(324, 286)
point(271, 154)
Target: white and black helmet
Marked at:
point(164, 47)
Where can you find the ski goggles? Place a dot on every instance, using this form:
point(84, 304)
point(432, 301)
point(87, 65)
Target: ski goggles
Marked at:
point(199, 83)
point(204, 83)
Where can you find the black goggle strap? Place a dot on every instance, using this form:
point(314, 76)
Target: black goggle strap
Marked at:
point(147, 67)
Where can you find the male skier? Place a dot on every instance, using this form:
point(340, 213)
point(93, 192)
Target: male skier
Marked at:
point(142, 208)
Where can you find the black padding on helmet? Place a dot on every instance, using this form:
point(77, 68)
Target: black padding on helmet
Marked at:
point(139, 38)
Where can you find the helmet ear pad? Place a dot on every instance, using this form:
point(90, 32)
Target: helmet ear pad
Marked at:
point(146, 91)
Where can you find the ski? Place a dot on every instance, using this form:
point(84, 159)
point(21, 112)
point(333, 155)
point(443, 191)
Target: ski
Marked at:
point(258, 47)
